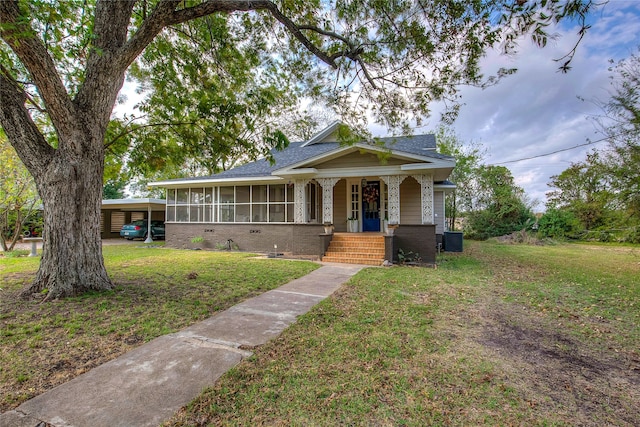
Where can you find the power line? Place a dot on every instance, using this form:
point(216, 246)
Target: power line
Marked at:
point(553, 152)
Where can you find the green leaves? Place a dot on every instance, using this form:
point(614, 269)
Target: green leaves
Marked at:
point(622, 128)
point(213, 98)
point(18, 195)
point(218, 84)
point(499, 205)
point(468, 159)
point(584, 190)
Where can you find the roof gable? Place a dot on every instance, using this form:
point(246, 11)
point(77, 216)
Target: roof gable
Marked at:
point(410, 149)
point(328, 134)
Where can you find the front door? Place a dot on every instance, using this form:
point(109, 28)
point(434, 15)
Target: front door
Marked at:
point(371, 206)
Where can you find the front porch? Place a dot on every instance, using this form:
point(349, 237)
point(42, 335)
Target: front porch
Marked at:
point(367, 204)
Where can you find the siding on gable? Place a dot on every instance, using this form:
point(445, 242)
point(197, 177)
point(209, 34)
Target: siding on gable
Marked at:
point(357, 160)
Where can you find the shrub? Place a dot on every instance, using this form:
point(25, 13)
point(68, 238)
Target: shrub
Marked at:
point(559, 224)
point(484, 224)
point(632, 235)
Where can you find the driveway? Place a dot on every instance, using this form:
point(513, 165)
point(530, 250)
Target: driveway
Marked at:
point(105, 242)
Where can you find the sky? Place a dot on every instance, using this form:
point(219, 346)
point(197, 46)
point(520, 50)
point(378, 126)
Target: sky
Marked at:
point(539, 109)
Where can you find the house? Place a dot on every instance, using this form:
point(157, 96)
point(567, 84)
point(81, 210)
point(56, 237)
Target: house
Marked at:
point(301, 203)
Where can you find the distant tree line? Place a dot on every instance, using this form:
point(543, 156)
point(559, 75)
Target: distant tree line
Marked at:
point(599, 197)
point(486, 202)
point(594, 199)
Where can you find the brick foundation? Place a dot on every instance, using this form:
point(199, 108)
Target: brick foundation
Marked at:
point(296, 239)
point(418, 238)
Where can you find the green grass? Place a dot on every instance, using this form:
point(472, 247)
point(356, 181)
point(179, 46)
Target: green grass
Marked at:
point(592, 283)
point(158, 291)
point(478, 341)
point(497, 335)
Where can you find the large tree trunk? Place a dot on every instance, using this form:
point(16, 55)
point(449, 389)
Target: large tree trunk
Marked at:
point(72, 260)
point(69, 174)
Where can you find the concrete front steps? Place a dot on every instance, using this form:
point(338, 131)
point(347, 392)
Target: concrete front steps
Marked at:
point(356, 248)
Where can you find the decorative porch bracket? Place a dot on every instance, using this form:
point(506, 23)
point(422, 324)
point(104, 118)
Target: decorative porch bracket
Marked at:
point(299, 186)
point(393, 184)
point(426, 197)
point(327, 197)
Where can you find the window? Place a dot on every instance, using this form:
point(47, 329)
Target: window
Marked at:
point(183, 195)
point(190, 205)
point(313, 201)
point(242, 203)
point(354, 202)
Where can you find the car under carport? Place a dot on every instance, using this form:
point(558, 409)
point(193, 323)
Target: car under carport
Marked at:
point(117, 212)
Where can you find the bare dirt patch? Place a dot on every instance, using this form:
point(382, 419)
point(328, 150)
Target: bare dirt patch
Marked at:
point(558, 372)
point(562, 373)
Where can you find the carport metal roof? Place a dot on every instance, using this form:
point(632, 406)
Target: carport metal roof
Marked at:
point(135, 204)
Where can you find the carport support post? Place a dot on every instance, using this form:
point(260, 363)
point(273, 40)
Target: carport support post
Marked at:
point(149, 239)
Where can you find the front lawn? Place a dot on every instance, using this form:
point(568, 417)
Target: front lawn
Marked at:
point(158, 291)
point(498, 335)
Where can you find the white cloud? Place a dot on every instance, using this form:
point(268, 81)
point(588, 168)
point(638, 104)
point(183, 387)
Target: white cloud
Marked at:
point(538, 110)
point(128, 98)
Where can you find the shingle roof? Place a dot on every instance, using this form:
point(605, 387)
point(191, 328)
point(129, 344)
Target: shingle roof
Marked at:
point(420, 145)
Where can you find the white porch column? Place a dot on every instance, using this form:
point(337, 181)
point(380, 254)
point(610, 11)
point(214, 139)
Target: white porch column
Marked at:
point(299, 200)
point(393, 187)
point(327, 197)
point(426, 193)
point(149, 239)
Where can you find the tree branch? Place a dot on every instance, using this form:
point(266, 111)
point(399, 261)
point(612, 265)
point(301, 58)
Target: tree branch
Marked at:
point(150, 28)
point(353, 53)
point(297, 33)
point(32, 148)
point(137, 128)
point(22, 39)
point(166, 14)
point(27, 95)
point(103, 77)
point(332, 35)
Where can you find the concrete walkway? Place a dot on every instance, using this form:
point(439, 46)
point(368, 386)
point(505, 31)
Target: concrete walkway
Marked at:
point(147, 385)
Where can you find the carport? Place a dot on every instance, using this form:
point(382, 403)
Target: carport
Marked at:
point(117, 212)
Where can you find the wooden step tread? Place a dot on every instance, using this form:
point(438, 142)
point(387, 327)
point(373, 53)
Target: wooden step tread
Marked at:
point(352, 260)
point(356, 248)
point(346, 254)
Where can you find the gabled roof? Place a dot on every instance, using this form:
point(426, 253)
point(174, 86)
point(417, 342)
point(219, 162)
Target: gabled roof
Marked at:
point(324, 135)
point(419, 148)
